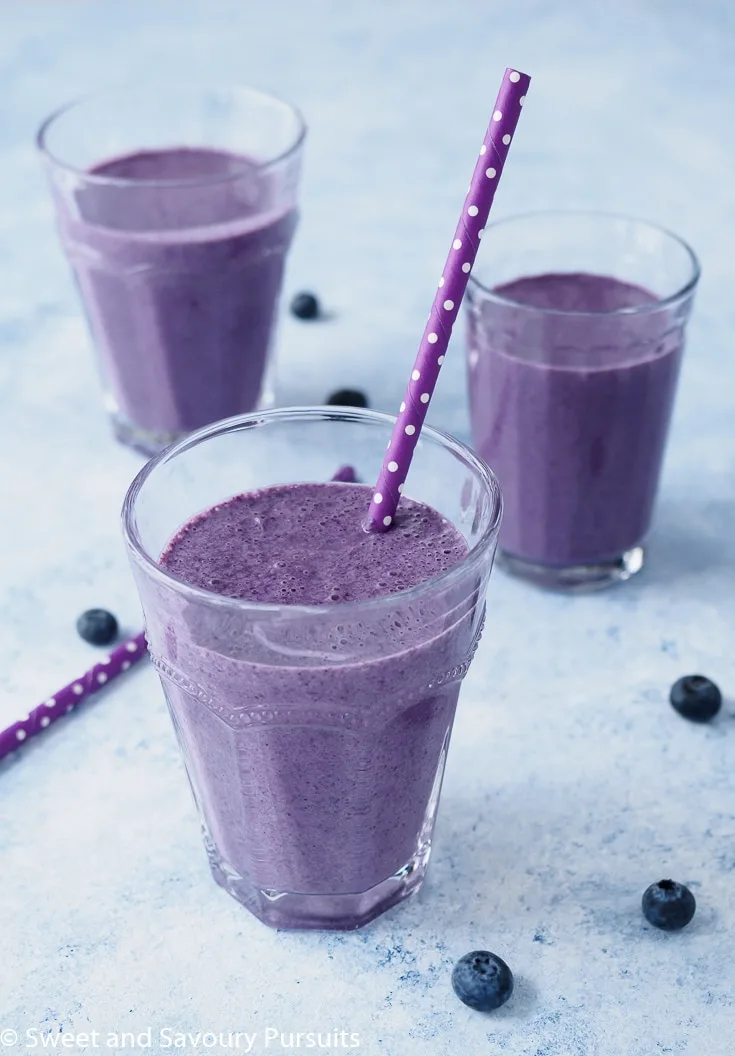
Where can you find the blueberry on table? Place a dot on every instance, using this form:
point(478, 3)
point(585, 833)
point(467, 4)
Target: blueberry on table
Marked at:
point(305, 306)
point(482, 980)
point(696, 698)
point(668, 905)
point(347, 398)
point(97, 626)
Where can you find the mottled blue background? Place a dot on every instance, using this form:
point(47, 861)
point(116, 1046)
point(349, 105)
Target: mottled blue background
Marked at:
point(571, 783)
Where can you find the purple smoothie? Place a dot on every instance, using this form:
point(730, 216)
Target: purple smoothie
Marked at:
point(180, 282)
point(316, 747)
point(570, 398)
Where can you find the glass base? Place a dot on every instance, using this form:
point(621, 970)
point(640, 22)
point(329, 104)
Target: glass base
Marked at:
point(339, 912)
point(144, 440)
point(575, 579)
point(149, 442)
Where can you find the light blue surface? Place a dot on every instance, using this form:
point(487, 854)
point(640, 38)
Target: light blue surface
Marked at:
point(571, 783)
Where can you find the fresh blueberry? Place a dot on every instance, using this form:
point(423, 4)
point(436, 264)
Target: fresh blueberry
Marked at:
point(347, 398)
point(668, 905)
point(97, 626)
point(305, 306)
point(696, 698)
point(482, 980)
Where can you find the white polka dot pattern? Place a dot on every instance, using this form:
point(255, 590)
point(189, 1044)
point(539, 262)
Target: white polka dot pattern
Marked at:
point(64, 701)
point(448, 298)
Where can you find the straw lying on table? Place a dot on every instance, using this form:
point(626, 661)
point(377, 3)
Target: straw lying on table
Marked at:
point(452, 286)
point(110, 667)
point(66, 699)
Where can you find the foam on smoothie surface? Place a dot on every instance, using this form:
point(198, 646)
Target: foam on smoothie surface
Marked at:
point(575, 292)
point(305, 544)
point(176, 163)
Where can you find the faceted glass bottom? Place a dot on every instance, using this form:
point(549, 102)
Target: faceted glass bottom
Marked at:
point(338, 912)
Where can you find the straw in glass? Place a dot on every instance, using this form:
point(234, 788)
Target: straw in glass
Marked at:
point(452, 286)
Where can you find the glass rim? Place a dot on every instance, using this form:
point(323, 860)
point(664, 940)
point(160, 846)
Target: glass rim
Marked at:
point(150, 566)
point(683, 291)
point(185, 87)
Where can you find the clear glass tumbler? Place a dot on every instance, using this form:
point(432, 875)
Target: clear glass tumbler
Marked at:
point(176, 207)
point(314, 737)
point(576, 333)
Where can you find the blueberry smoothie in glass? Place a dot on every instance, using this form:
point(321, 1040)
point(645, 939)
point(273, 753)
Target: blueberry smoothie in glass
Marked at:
point(572, 378)
point(181, 295)
point(178, 248)
point(312, 669)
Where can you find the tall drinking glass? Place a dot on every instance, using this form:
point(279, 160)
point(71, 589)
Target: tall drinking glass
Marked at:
point(314, 737)
point(576, 333)
point(176, 206)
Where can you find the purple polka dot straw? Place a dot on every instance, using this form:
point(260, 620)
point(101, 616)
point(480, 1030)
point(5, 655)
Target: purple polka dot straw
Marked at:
point(66, 699)
point(452, 286)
